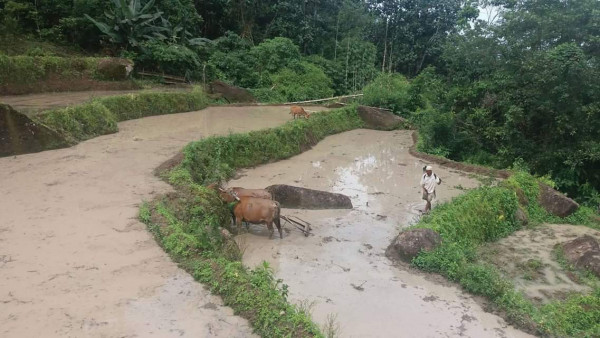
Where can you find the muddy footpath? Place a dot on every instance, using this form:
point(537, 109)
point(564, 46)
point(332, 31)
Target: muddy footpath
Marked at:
point(76, 262)
point(341, 268)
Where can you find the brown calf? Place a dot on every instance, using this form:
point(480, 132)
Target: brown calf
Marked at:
point(254, 210)
point(298, 111)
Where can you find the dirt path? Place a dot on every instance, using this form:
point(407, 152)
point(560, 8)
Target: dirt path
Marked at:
point(74, 260)
point(342, 267)
point(33, 103)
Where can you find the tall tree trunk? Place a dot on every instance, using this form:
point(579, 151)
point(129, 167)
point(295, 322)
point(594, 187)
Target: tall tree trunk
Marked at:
point(391, 54)
point(337, 27)
point(387, 21)
point(347, 61)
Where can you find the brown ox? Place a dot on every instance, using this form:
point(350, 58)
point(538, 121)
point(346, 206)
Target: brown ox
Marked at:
point(254, 210)
point(298, 111)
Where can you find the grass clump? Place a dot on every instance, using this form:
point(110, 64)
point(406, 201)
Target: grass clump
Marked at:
point(100, 116)
point(487, 214)
point(134, 106)
point(81, 122)
point(216, 158)
point(23, 69)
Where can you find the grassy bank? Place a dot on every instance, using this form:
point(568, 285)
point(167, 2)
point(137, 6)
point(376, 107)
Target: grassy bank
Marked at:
point(25, 74)
point(189, 223)
point(487, 214)
point(24, 69)
point(100, 116)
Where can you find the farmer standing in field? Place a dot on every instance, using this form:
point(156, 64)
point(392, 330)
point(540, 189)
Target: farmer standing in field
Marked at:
point(429, 181)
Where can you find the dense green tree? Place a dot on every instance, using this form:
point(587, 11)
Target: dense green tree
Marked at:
point(411, 33)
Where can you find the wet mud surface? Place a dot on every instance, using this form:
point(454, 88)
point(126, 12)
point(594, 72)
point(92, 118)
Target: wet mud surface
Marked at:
point(341, 268)
point(74, 259)
point(527, 258)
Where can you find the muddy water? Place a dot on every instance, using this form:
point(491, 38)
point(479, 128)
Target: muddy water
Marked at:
point(74, 259)
point(551, 281)
point(342, 267)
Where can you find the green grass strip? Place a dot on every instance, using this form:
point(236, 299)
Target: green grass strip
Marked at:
point(100, 116)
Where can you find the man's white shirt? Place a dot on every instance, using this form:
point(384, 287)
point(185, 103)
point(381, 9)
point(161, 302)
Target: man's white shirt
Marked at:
point(429, 182)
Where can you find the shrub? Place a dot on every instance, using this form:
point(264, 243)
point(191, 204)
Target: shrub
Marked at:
point(302, 81)
point(169, 58)
point(388, 91)
point(273, 55)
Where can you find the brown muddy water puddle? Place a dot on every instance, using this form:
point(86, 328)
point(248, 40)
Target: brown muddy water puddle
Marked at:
point(527, 258)
point(341, 268)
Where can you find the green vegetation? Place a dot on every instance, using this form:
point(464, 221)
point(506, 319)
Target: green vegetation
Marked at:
point(388, 91)
point(487, 214)
point(100, 116)
point(189, 223)
point(577, 275)
point(16, 70)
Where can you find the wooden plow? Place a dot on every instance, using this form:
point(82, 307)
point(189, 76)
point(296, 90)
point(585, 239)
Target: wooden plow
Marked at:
point(299, 223)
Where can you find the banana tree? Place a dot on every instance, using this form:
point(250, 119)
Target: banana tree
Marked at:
point(130, 24)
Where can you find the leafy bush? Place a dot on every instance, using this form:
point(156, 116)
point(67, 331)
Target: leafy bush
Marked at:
point(302, 81)
point(272, 55)
point(332, 69)
point(130, 24)
point(172, 59)
point(232, 61)
point(388, 91)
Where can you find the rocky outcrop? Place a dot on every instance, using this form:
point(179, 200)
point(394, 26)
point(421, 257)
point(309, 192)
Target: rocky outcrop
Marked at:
point(114, 69)
point(410, 243)
point(20, 135)
point(584, 253)
point(521, 217)
point(555, 202)
point(301, 198)
point(380, 119)
point(231, 93)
